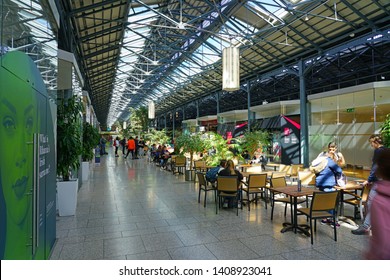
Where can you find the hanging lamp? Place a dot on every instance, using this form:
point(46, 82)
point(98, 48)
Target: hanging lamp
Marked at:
point(151, 111)
point(231, 69)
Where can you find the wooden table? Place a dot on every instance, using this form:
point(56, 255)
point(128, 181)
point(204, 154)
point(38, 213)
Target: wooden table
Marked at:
point(243, 166)
point(274, 165)
point(293, 192)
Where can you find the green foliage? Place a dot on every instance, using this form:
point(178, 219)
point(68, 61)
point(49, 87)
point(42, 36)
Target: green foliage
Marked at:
point(187, 143)
point(157, 137)
point(212, 139)
point(69, 134)
point(90, 140)
point(254, 140)
point(385, 131)
point(139, 120)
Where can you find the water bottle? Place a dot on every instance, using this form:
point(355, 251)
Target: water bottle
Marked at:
point(299, 185)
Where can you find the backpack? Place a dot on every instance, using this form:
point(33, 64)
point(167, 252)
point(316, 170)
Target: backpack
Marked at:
point(212, 174)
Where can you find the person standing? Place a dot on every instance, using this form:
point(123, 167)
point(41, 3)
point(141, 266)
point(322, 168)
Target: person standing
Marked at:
point(116, 145)
point(102, 145)
point(332, 152)
point(124, 145)
point(376, 143)
point(379, 245)
point(136, 147)
point(141, 145)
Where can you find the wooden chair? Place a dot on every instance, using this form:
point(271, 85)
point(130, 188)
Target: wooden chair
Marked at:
point(255, 185)
point(323, 205)
point(293, 172)
point(359, 201)
point(206, 187)
point(227, 187)
point(279, 174)
point(307, 178)
point(199, 166)
point(179, 164)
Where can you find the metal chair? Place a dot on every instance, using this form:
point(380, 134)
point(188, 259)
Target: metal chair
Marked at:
point(227, 186)
point(359, 201)
point(255, 185)
point(206, 187)
point(323, 205)
point(179, 164)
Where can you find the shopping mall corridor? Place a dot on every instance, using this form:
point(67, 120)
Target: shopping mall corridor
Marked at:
point(131, 209)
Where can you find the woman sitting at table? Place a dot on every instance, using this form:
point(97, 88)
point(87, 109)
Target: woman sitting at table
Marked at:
point(326, 171)
point(231, 171)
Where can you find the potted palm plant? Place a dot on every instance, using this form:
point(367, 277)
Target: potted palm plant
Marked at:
point(191, 144)
point(90, 140)
point(69, 149)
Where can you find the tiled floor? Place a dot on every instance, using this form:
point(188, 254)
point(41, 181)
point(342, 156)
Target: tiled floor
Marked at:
point(130, 209)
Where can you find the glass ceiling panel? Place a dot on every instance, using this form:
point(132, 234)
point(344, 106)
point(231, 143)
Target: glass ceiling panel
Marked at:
point(26, 30)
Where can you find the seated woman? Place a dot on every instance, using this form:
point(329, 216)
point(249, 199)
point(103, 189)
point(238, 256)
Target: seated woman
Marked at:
point(230, 170)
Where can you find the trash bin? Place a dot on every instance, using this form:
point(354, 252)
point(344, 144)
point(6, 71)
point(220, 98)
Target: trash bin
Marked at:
point(97, 154)
point(189, 175)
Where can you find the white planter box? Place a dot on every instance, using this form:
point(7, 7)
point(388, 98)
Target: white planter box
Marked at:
point(85, 171)
point(67, 197)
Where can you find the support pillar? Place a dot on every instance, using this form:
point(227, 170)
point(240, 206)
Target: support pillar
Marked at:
point(304, 116)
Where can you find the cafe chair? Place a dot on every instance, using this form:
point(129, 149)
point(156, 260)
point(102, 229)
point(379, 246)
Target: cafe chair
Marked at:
point(256, 184)
point(307, 178)
point(275, 183)
point(205, 186)
point(179, 165)
point(358, 201)
point(227, 187)
point(323, 205)
point(199, 166)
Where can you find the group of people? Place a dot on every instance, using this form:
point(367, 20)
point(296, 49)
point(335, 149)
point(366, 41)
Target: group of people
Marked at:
point(225, 168)
point(134, 146)
point(327, 167)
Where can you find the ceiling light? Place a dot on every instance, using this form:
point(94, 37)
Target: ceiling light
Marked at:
point(306, 18)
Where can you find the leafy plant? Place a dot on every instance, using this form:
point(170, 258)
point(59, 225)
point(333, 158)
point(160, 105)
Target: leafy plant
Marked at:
point(139, 120)
point(157, 137)
point(187, 143)
point(69, 136)
point(254, 140)
point(90, 140)
point(222, 149)
point(385, 131)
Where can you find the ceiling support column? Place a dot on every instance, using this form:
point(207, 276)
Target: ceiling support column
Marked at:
point(173, 124)
point(248, 91)
point(304, 116)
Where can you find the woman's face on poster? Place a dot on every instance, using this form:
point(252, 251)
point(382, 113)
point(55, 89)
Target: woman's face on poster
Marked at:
point(18, 122)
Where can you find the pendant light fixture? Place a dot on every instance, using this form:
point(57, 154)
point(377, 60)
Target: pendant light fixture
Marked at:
point(151, 111)
point(231, 69)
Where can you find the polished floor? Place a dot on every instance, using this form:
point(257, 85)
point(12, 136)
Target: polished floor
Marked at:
point(130, 209)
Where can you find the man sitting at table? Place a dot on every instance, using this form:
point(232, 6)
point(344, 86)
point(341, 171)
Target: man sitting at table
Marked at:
point(212, 174)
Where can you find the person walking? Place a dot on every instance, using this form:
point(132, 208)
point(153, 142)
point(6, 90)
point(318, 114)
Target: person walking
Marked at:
point(376, 142)
point(379, 244)
point(130, 147)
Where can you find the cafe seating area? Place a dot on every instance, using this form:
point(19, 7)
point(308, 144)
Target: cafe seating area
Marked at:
point(132, 209)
